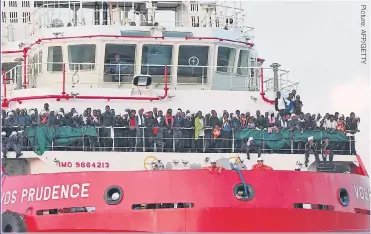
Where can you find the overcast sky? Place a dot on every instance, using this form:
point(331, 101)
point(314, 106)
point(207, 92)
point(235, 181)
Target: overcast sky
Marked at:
point(319, 42)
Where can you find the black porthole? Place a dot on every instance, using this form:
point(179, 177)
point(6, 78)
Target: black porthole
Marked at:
point(113, 195)
point(240, 194)
point(343, 197)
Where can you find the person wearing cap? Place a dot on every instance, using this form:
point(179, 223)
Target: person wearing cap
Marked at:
point(13, 142)
point(260, 166)
point(213, 167)
point(252, 145)
point(293, 123)
point(327, 150)
point(310, 148)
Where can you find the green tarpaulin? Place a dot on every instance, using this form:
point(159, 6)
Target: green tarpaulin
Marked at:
point(278, 140)
point(43, 137)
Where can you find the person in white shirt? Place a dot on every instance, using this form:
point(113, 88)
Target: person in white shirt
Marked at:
point(330, 124)
point(280, 104)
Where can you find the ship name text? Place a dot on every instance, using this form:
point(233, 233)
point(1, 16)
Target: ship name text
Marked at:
point(56, 192)
point(84, 164)
point(362, 193)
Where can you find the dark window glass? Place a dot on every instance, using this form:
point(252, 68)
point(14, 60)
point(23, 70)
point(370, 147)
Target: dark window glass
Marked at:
point(55, 58)
point(155, 57)
point(81, 57)
point(7, 67)
point(243, 62)
point(192, 64)
point(226, 57)
point(119, 62)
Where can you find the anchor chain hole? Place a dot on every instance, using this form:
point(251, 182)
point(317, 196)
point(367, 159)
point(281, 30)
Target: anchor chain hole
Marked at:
point(343, 197)
point(239, 192)
point(113, 195)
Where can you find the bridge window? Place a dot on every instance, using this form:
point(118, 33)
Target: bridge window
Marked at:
point(7, 67)
point(25, 3)
point(55, 58)
point(12, 3)
point(35, 64)
point(3, 16)
point(243, 62)
point(40, 60)
point(26, 17)
point(192, 64)
point(13, 17)
point(155, 57)
point(81, 57)
point(119, 62)
point(226, 57)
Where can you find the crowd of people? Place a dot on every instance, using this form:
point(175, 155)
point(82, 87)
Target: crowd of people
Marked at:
point(182, 131)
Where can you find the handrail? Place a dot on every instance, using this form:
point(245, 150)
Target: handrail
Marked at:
point(163, 135)
point(262, 93)
point(11, 51)
point(219, 39)
point(252, 78)
point(26, 49)
point(4, 83)
point(65, 96)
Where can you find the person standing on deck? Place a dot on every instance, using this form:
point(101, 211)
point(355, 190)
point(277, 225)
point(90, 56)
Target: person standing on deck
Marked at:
point(280, 104)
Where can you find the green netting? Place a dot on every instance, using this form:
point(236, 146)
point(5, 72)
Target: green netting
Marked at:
point(278, 140)
point(42, 137)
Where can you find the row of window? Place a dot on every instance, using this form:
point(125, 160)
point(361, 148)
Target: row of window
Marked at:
point(13, 17)
point(14, 3)
point(192, 60)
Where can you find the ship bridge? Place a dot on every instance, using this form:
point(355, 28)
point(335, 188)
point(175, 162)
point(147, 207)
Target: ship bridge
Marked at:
point(73, 49)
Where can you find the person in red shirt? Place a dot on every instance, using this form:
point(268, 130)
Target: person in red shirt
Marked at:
point(260, 166)
point(213, 167)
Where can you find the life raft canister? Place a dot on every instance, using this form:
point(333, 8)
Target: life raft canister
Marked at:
point(12, 222)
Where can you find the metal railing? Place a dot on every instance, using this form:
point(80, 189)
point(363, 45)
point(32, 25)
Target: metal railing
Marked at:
point(50, 15)
point(104, 75)
point(144, 139)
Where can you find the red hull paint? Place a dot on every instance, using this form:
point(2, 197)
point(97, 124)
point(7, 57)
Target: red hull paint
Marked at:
point(215, 207)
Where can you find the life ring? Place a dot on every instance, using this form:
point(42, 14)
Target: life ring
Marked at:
point(148, 162)
point(13, 222)
point(234, 160)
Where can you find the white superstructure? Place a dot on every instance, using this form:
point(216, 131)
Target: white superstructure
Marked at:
point(199, 56)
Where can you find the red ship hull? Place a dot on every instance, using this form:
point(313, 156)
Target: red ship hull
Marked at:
point(215, 209)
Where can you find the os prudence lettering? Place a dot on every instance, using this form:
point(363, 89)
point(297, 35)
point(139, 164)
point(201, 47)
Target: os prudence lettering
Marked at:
point(362, 193)
point(55, 192)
